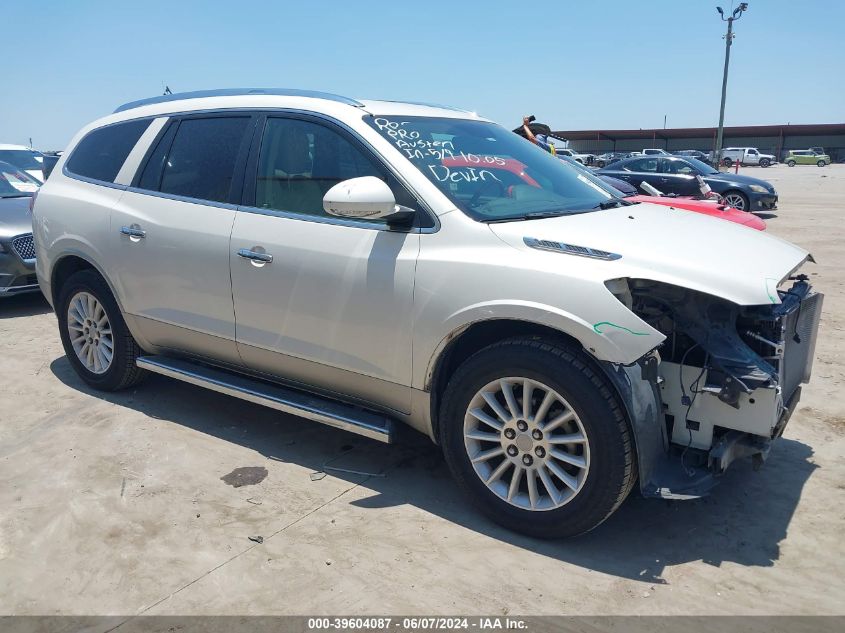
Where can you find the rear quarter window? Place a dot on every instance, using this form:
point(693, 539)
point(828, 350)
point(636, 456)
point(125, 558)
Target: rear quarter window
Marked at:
point(102, 152)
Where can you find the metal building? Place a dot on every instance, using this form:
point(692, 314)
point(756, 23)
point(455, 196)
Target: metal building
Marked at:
point(770, 139)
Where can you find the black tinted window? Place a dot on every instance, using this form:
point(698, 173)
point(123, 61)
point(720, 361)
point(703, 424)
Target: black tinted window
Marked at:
point(300, 161)
point(675, 166)
point(101, 154)
point(201, 162)
point(151, 176)
point(642, 164)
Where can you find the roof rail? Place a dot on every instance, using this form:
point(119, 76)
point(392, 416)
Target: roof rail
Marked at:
point(236, 92)
point(431, 105)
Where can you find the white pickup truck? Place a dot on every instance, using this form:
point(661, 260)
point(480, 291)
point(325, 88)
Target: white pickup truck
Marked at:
point(746, 156)
point(584, 159)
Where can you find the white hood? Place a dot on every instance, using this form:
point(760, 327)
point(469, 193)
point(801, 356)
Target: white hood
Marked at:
point(678, 247)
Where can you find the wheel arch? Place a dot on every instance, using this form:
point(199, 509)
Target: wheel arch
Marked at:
point(638, 397)
point(70, 263)
point(465, 341)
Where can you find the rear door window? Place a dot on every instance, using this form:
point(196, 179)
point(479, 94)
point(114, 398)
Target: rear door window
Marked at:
point(102, 152)
point(201, 161)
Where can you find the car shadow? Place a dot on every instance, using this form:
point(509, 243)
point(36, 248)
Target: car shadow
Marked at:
point(742, 522)
point(23, 305)
point(765, 215)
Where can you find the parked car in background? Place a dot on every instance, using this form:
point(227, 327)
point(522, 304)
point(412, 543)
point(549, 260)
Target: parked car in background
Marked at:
point(50, 160)
point(603, 160)
point(704, 157)
point(746, 156)
point(651, 151)
point(584, 159)
point(17, 253)
point(551, 339)
point(806, 157)
point(715, 208)
point(25, 158)
point(674, 174)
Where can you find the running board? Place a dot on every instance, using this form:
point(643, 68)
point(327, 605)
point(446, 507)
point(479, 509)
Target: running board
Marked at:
point(337, 414)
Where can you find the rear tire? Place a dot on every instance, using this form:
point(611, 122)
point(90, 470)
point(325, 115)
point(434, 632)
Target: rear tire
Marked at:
point(94, 335)
point(582, 469)
point(791, 163)
point(727, 162)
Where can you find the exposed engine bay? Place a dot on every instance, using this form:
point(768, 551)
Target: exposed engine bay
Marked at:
point(729, 376)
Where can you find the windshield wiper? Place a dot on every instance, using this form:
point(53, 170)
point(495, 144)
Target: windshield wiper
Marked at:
point(538, 215)
point(612, 204)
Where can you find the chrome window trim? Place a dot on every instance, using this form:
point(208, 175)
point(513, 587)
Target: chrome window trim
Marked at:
point(269, 112)
point(177, 198)
point(327, 219)
point(92, 181)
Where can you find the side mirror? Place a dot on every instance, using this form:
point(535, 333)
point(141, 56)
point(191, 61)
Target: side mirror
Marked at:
point(364, 198)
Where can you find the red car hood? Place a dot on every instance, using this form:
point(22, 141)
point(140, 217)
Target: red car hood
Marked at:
point(707, 208)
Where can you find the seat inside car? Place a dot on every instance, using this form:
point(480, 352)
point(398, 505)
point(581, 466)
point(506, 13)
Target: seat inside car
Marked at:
point(285, 179)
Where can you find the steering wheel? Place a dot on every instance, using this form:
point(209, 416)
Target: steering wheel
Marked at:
point(484, 186)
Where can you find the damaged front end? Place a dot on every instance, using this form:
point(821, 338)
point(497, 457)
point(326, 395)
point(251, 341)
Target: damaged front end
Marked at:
point(728, 377)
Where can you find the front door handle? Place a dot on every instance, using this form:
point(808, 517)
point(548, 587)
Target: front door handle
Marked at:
point(265, 258)
point(133, 232)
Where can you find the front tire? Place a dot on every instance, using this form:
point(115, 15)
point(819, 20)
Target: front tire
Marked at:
point(94, 335)
point(537, 438)
point(737, 200)
point(765, 162)
point(821, 163)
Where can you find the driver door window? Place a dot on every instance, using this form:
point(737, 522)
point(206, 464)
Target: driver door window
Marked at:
point(643, 164)
point(681, 167)
point(300, 161)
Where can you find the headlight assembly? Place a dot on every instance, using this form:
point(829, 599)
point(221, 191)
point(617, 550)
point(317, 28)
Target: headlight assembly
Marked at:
point(759, 189)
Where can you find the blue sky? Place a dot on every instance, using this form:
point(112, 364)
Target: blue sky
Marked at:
point(575, 65)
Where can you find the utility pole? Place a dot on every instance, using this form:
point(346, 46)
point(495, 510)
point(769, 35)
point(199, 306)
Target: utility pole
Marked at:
point(729, 36)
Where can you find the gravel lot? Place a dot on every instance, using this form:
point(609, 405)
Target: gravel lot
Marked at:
point(114, 503)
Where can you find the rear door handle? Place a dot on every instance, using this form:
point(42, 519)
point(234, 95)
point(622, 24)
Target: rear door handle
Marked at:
point(133, 232)
point(254, 256)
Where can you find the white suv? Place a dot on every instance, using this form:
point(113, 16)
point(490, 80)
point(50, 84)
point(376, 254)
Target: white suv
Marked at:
point(372, 264)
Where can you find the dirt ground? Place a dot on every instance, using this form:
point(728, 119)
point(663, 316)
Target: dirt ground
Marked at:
point(114, 503)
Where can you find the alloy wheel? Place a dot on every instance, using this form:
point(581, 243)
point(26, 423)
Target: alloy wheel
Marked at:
point(526, 443)
point(90, 332)
point(735, 200)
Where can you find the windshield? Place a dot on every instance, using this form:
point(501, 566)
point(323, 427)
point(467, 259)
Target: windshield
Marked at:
point(23, 158)
point(488, 172)
point(588, 173)
point(700, 167)
point(15, 182)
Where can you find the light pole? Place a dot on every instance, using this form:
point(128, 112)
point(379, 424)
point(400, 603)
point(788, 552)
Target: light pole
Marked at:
point(729, 36)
